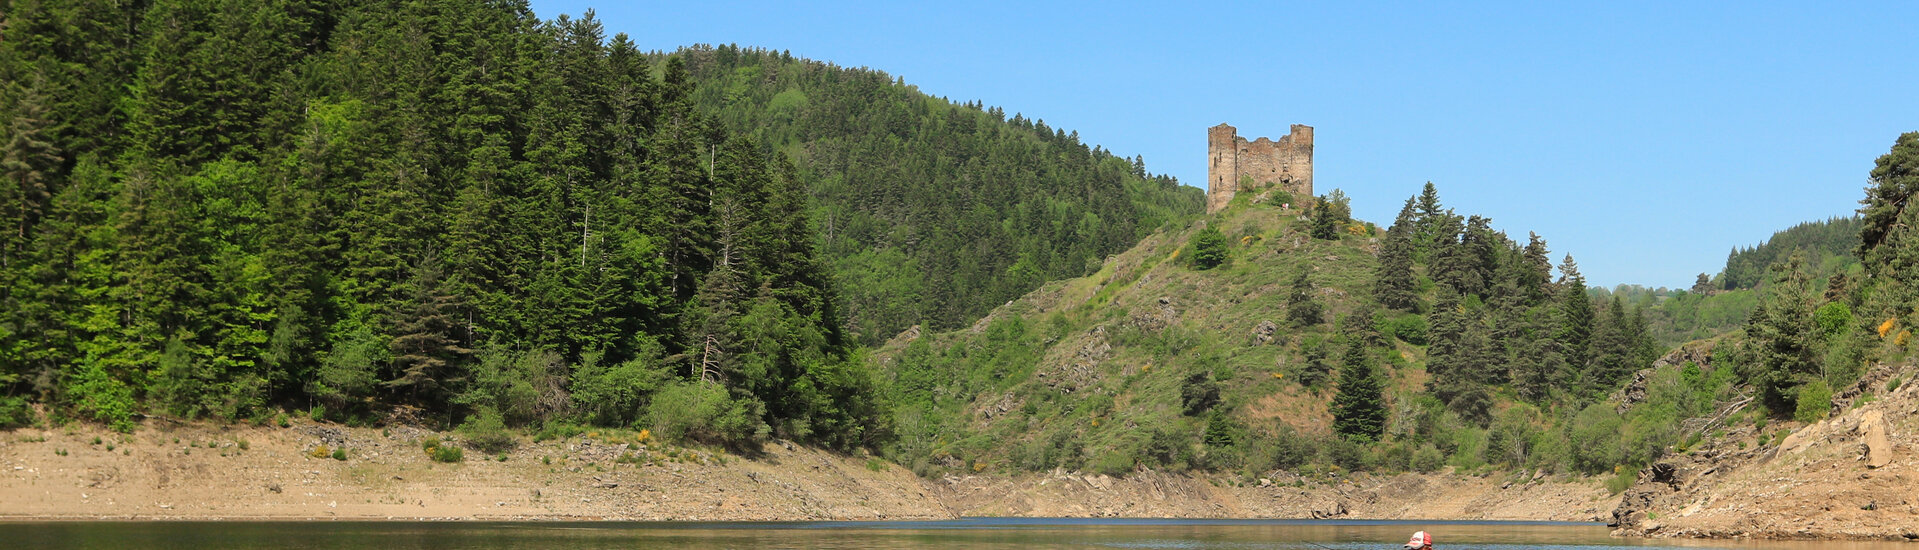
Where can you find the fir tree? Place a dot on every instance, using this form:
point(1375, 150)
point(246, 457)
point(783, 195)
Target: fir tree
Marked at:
point(1394, 278)
point(1359, 409)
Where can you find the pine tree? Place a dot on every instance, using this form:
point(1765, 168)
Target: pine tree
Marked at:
point(1330, 215)
point(424, 347)
point(1782, 336)
point(28, 161)
point(1575, 318)
point(1894, 178)
point(1394, 278)
point(1301, 307)
point(1359, 409)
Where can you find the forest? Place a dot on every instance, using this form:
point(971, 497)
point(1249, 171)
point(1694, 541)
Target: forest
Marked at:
point(455, 213)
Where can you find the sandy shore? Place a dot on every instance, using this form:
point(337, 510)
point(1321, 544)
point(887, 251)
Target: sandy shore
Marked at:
point(208, 472)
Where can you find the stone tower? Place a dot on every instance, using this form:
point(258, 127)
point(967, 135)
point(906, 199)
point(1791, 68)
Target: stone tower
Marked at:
point(1287, 163)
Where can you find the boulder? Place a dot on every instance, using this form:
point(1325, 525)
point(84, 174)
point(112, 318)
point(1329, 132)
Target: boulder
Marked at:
point(1874, 436)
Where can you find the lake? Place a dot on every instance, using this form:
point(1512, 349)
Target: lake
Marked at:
point(1025, 533)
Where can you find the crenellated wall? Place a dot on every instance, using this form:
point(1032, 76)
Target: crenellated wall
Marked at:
point(1287, 162)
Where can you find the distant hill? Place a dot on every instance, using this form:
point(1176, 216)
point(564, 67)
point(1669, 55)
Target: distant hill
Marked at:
point(931, 211)
point(1829, 246)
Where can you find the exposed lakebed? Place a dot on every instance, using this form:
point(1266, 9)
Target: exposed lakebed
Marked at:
point(918, 535)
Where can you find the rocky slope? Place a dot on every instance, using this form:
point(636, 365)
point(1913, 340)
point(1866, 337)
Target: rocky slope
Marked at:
point(1852, 476)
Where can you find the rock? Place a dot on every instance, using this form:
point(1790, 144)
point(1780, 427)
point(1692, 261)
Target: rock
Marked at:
point(1263, 334)
point(1872, 431)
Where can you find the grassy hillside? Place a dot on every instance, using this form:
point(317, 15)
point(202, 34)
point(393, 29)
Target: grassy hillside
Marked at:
point(1155, 363)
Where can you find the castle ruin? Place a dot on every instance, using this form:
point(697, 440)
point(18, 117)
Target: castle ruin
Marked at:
point(1236, 164)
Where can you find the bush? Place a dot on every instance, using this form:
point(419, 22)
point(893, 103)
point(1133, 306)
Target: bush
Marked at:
point(1347, 453)
point(99, 395)
point(699, 411)
point(439, 452)
point(339, 454)
point(1291, 450)
point(486, 432)
point(1595, 440)
point(1428, 459)
point(1209, 248)
point(320, 452)
point(1410, 328)
point(1621, 480)
point(15, 413)
point(1892, 385)
point(1815, 402)
point(1832, 318)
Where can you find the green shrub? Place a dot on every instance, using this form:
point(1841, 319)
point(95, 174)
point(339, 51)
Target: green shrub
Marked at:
point(1892, 385)
point(1595, 439)
point(15, 413)
point(1114, 464)
point(339, 454)
point(1815, 402)
point(1291, 449)
point(486, 432)
point(558, 430)
point(700, 411)
point(1621, 480)
point(440, 452)
point(1279, 197)
point(1347, 453)
point(1209, 248)
point(1428, 459)
point(1832, 318)
point(1410, 328)
point(99, 395)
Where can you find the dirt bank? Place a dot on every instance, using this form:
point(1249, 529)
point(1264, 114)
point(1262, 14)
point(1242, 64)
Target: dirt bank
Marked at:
point(1853, 476)
point(197, 471)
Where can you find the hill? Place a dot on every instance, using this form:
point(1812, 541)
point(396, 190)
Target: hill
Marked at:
point(930, 212)
point(1285, 355)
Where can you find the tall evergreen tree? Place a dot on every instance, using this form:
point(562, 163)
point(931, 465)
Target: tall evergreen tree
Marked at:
point(1575, 316)
point(1359, 409)
point(1781, 332)
point(1394, 284)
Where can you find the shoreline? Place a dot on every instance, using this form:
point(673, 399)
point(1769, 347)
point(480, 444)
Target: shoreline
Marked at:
point(238, 473)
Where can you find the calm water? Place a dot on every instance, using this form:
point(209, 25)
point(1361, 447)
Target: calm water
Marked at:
point(933, 535)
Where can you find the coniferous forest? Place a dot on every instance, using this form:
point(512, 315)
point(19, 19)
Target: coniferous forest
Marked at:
point(457, 212)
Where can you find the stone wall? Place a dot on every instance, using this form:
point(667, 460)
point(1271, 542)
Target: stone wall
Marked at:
point(1287, 162)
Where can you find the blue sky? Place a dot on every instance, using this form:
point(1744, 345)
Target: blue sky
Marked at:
point(1645, 139)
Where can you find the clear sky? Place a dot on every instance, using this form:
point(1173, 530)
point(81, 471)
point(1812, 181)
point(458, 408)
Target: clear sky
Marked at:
point(1646, 139)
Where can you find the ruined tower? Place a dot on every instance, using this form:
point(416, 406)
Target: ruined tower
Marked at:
point(1287, 163)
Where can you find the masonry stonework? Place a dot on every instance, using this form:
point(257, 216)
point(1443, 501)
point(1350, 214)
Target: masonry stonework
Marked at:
point(1287, 163)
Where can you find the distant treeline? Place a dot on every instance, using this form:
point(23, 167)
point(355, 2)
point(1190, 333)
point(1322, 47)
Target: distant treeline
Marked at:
point(1829, 246)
